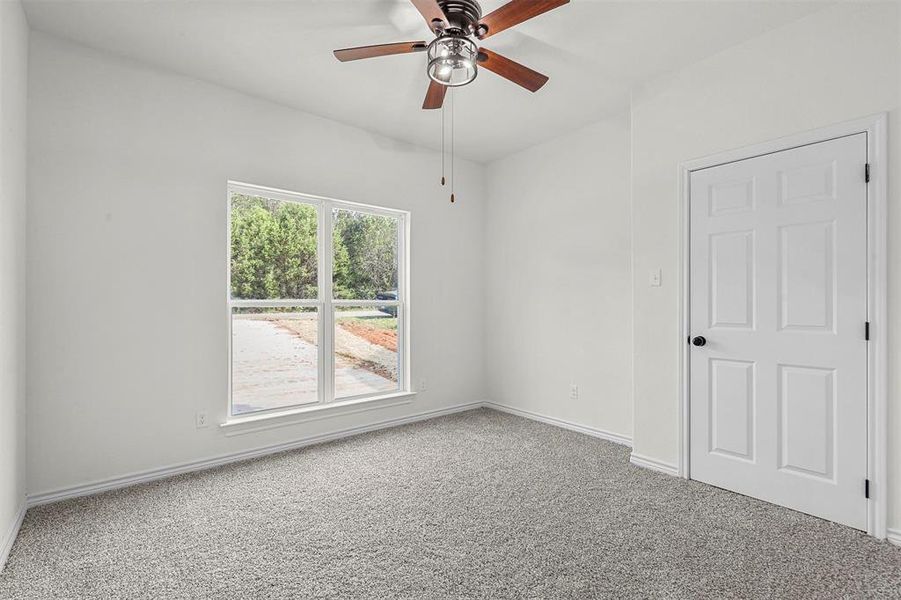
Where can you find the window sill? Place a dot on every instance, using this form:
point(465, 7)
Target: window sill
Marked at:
point(316, 412)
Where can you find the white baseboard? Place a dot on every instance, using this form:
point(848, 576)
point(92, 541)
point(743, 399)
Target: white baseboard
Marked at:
point(200, 465)
point(6, 542)
point(893, 536)
point(654, 464)
point(593, 432)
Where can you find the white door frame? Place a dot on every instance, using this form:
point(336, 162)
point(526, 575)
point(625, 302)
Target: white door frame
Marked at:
point(877, 257)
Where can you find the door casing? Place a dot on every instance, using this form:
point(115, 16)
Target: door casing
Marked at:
point(875, 126)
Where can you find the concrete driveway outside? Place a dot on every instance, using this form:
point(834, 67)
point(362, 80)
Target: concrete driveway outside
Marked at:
point(273, 367)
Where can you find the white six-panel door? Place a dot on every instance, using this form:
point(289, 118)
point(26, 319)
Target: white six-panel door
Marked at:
point(778, 394)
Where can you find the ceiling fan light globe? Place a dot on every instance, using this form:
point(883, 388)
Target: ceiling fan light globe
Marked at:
point(452, 60)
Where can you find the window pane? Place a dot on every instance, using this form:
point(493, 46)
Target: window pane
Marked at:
point(366, 356)
point(365, 256)
point(274, 358)
point(273, 245)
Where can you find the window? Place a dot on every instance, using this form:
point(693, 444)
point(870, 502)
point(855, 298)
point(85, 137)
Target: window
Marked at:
point(316, 300)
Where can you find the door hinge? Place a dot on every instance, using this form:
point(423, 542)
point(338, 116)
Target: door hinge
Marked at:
point(866, 173)
point(866, 488)
point(866, 330)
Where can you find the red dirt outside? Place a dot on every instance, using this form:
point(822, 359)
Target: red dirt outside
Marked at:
point(386, 338)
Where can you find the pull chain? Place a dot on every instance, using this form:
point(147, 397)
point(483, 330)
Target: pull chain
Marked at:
point(443, 150)
point(452, 170)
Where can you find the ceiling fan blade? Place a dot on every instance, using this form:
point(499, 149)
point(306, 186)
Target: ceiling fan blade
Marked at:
point(434, 98)
point(514, 13)
point(512, 70)
point(347, 54)
point(431, 12)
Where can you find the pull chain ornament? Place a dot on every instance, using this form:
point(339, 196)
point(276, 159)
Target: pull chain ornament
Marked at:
point(452, 169)
point(444, 127)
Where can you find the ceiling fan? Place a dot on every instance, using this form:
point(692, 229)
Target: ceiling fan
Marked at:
point(453, 56)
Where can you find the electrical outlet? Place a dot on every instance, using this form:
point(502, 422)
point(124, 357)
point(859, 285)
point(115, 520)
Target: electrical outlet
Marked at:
point(573, 391)
point(422, 385)
point(201, 419)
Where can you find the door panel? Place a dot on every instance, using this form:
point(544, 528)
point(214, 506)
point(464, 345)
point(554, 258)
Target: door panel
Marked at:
point(732, 408)
point(778, 288)
point(807, 421)
point(730, 197)
point(732, 279)
point(807, 183)
point(807, 277)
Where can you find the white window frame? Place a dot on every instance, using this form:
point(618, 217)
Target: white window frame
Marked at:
point(325, 304)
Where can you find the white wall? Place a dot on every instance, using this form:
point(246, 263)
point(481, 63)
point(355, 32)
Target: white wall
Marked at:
point(558, 278)
point(127, 258)
point(13, 85)
point(833, 66)
point(128, 167)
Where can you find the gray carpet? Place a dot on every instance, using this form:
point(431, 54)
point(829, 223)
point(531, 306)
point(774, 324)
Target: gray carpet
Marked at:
point(476, 505)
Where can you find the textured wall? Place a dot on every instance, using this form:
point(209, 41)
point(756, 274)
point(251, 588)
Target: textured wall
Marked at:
point(13, 86)
point(558, 278)
point(833, 66)
point(127, 264)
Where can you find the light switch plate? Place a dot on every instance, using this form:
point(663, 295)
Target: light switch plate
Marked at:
point(655, 278)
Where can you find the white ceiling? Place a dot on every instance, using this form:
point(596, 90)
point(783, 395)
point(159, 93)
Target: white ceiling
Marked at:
point(593, 51)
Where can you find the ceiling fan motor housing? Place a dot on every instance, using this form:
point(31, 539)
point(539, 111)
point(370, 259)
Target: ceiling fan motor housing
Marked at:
point(462, 15)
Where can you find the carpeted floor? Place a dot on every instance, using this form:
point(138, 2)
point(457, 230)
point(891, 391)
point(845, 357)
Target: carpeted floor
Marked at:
point(476, 505)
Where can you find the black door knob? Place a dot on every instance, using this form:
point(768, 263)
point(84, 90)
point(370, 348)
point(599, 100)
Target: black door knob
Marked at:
point(699, 340)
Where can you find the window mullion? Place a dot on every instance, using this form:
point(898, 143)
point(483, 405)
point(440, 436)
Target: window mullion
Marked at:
point(245, 303)
point(405, 379)
point(366, 303)
point(320, 283)
point(327, 317)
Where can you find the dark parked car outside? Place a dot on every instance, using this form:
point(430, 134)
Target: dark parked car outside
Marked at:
point(388, 310)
